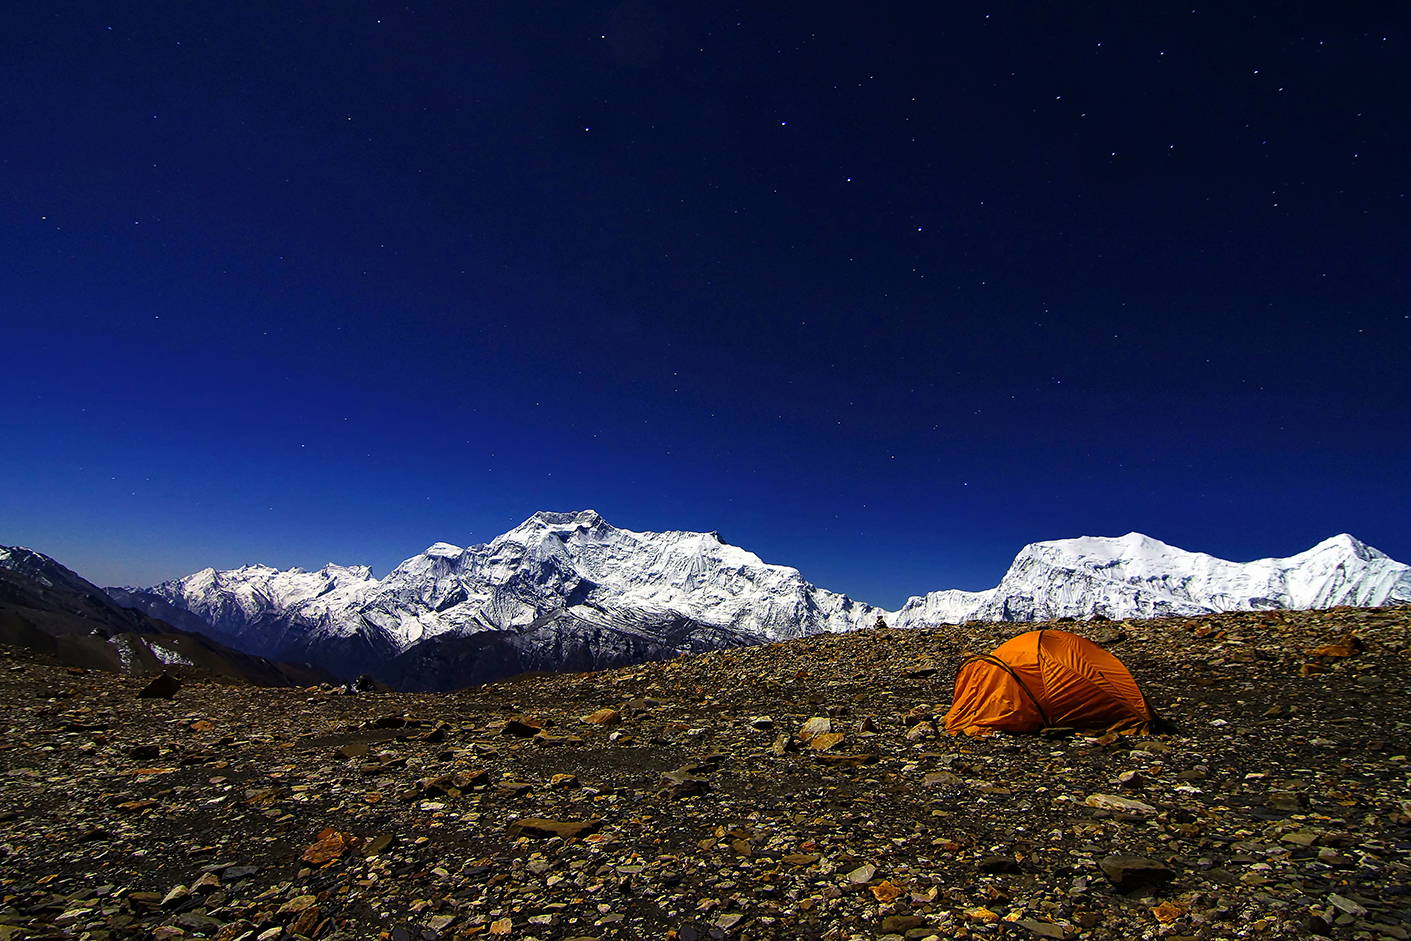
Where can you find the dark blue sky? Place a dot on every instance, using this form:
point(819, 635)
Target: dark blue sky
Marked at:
point(881, 294)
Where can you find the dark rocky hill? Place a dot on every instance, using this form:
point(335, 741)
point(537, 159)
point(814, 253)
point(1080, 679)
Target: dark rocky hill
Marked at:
point(49, 609)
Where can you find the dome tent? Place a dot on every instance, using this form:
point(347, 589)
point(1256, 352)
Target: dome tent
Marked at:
point(1042, 679)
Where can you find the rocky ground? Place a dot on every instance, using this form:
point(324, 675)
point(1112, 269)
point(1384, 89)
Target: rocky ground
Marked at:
point(688, 806)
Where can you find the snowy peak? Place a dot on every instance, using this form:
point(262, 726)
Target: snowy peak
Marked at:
point(1137, 576)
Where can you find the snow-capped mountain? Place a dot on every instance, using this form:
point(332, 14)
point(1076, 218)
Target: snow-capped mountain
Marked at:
point(568, 591)
point(569, 581)
point(1135, 576)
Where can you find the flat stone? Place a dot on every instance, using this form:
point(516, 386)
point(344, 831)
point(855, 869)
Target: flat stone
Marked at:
point(862, 874)
point(540, 828)
point(603, 716)
point(1124, 804)
point(1132, 871)
point(818, 725)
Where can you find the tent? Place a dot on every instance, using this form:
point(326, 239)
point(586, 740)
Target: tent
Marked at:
point(1043, 679)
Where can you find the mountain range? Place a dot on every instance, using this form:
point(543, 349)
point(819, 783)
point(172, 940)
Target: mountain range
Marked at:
point(569, 591)
point(48, 608)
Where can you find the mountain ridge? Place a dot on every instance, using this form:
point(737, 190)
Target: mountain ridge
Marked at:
point(571, 591)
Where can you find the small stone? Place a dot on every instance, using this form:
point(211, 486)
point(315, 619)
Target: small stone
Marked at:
point(783, 744)
point(540, 828)
point(1290, 801)
point(982, 915)
point(564, 781)
point(1131, 871)
point(941, 779)
point(862, 874)
point(1044, 929)
point(1346, 905)
point(762, 723)
point(800, 859)
point(297, 904)
point(1131, 779)
point(683, 783)
point(900, 924)
point(818, 725)
point(826, 741)
point(1123, 804)
point(998, 864)
point(164, 686)
point(520, 728)
point(1274, 711)
point(1166, 913)
point(603, 716)
point(501, 927)
point(306, 921)
point(207, 883)
point(352, 750)
point(145, 752)
point(887, 892)
point(175, 896)
point(330, 845)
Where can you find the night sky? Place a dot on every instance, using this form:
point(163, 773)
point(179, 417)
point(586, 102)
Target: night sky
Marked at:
point(883, 294)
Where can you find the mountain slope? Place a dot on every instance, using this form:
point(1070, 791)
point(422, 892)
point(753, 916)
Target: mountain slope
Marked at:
point(46, 607)
point(1135, 576)
point(612, 595)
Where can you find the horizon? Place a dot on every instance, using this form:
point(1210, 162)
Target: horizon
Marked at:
point(885, 294)
point(380, 573)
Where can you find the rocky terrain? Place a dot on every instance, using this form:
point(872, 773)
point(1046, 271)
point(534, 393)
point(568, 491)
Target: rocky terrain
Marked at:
point(792, 790)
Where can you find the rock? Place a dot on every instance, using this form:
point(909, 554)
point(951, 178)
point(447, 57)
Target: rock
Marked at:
point(800, 859)
point(539, 828)
point(175, 896)
point(783, 744)
point(998, 864)
point(330, 845)
point(818, 725)
point(1290, 801)
point(352, 750)
point(513, 789)
point(1131, 871)
point(941, 779)
point(761, 723)
point(1349, 645)
point(1044, 929)
point(602, 716)
point(1346, 905)
point(545, 740)
point(564, 781)
point(520, 728)
point(900, 924)
point(886, 892)
point(826, 741)
point(165, 686)
point(683, 783)
point(298, 904)
point(981, 914)
point(305, 922)
point(208, 883)
point(1122, 804)
point(145, 752)
point(862, 874)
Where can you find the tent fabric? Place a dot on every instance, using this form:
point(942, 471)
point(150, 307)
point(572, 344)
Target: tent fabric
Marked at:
point(1046, 678)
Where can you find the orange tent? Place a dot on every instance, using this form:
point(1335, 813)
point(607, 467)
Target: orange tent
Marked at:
point(1043, 679)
